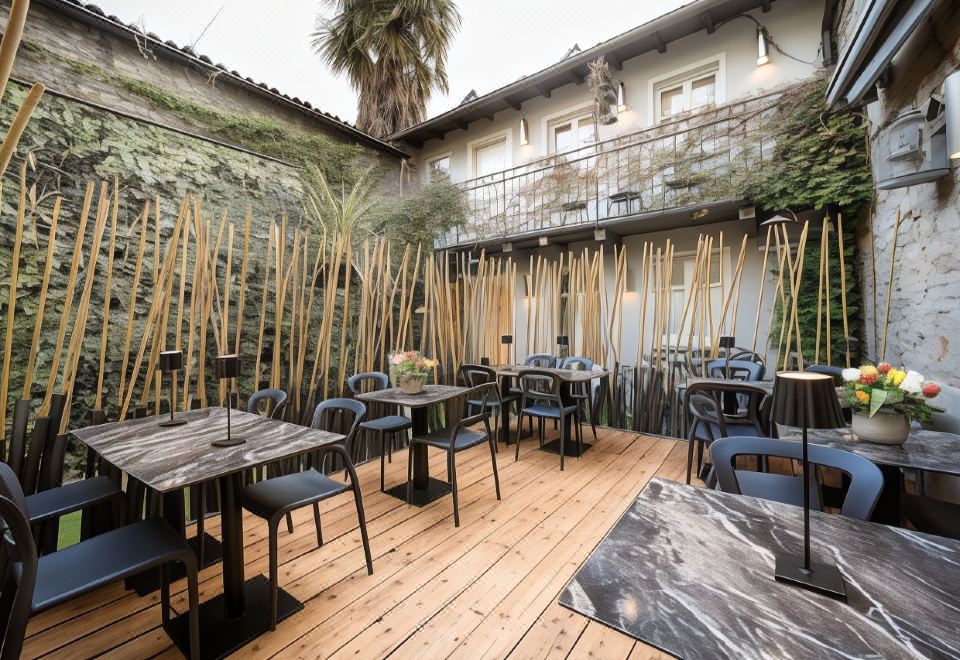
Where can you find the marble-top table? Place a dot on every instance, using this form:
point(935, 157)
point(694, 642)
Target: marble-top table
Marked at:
point(690, 571)
point(425, 488)
point(168, 459)
point(566, 375)
point(764, 385)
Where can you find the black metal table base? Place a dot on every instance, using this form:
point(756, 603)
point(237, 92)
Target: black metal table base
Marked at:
point(149, 581)
point(571, 447)
point(435, 490)
point(220, 637)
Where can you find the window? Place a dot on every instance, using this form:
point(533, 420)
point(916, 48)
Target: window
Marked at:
point(571, 133)
point(490, 157)
point(697, 87)
point(438, 165)
point(683, 270)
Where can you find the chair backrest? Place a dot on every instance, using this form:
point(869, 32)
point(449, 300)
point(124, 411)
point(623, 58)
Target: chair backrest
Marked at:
point(375, 380)
point(577, 362)
point(539, 385)
point(744, 354)
point(277, 397)
point(830, 370)
point(866, 480)
point(18, 564)
point(326, 413)
point(540, 361)
point(744, 370)
point(477, 374)
point(701, 410)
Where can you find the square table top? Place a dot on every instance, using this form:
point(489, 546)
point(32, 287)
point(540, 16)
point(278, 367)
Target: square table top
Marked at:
point(765, 385)
point(430, 395)
point(690, 571)
point(170, 458)
point(567, 375)
point(931, 451)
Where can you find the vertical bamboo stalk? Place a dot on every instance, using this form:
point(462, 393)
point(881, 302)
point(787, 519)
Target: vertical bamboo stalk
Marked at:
point(12, 303)
point(132, 305)
point(105, 327)
point(893, 261)
point(41, 305)
point(843, 288)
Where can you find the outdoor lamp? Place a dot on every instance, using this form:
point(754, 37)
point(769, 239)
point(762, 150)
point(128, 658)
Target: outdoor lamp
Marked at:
point(228, 368)
point(807, 400)
point(524, 132)
point(170, 363)
point(507, 340)
point(563, 341)
point(727, 343)
point(621, 97)
point(951, 100)
point(762, 55)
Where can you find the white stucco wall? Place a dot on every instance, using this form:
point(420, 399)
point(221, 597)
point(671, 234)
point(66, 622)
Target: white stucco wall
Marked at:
point(793, 24)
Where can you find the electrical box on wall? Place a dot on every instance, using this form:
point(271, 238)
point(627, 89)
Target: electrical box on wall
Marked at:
point(912, 149)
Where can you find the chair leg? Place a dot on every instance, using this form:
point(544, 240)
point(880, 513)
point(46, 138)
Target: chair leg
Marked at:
point(563, 439)
point(362, 521)
point(516, 456)
point(593, 423)
point(316, 520)
point(493, 460)
point(201, 535)
point(164, 594)
point(194, 613)
point(699, 456)
point(383, 441)
point(273, 532)
point(289, 524)
point(410, 474)
point(452, 469)
point(496, 427)
point(690, 441)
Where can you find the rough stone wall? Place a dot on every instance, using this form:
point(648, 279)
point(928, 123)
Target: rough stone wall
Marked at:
point(924, 328)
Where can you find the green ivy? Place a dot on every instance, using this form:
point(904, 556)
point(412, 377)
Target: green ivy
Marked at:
point(437, 207)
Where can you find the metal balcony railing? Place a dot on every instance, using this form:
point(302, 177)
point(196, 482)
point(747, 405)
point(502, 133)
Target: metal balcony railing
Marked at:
point(693, 160)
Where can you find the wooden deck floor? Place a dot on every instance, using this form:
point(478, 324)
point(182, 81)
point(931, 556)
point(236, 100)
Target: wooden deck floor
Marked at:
point(487, 589)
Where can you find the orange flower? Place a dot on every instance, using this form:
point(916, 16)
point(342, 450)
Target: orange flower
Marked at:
point(862, 396)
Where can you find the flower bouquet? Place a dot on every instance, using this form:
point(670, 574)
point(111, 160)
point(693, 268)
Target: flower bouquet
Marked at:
point(885, 400)
point(409, 371)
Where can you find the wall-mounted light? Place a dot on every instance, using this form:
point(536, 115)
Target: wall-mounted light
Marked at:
point(621, 97)
point(951, 101)
point(524, 132)
point(762, 55)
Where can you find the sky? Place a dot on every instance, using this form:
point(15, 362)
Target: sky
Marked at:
point(499, 40)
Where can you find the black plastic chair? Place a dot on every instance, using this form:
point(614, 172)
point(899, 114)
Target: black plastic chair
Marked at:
point(707, 423)
point(276, 401)
point(830, 370)
point(474, 375)
point(274, 499)
point(582, 393)
point(744, 370)
point(381, 427)
point(542, 399)
point(456, 438)
point(866, 480)
point(540, 361)
point(31, 585)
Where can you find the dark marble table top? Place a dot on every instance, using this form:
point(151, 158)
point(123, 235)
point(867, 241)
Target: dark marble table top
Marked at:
point(170, 458)
point(690, 571)
point(765, 385)
point(931, 451)
point(567, 375)
point(430, 395)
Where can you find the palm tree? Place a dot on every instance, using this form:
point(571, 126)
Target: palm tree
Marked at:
point(393, 51)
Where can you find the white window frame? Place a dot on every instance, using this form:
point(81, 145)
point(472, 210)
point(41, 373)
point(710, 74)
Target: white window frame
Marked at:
point(429, 160)
point(679, 258)
point(716, 64)
point(505, 135)
point(549, 121)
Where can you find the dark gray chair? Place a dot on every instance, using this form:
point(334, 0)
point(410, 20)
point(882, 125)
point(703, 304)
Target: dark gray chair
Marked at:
point(830, 370)
point(474, 375)
point(541, 398)
point(31, 585)
point(456, 438)
point(866, 480)
point(273, 499)
point(707, 422)
point(744, 370)
point(381, 427)
point(276, 401)
point(582, 393)
point(540, 361)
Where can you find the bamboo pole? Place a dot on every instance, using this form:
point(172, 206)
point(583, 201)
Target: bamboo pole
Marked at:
point(826, 290)
point(132, 305)
point(243, 281)
point(12, 303)
point(763, 279)
point(823, 238)
point(843, 288)
point(12, 34)
point(105, 326)
point(893, 261)
point(41, 305)
point(19, 124)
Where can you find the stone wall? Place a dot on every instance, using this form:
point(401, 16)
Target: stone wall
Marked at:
point(924, 328)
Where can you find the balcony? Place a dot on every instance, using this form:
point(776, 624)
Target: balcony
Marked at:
point(693, 161)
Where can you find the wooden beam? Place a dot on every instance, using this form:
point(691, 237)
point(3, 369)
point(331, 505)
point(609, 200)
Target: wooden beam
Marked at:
point(660, 43)
point(463, 125)
point(576, 77)
point(708, 22)
point(545, 92)
point(516, 105)
point(615, 62)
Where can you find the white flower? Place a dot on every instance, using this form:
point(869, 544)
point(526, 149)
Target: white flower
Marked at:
point(912, 383)
point(396, 358)
point(850, 375)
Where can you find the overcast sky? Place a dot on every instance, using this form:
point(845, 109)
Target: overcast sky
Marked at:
point(499, 41)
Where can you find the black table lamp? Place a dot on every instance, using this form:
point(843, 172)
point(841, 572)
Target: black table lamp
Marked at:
point(727, 343)
point(507, 340)
point(171, 362)
point(563, 341)
point(809, 401)
point(228, 368)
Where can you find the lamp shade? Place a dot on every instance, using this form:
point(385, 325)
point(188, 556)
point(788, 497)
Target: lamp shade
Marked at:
point(227, 366)
point(506, 339)
point(170, 361)
point(563, 340)
point(805, 399)
point(727, 341)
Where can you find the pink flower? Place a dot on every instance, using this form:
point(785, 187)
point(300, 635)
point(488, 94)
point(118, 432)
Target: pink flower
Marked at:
point(397, 358)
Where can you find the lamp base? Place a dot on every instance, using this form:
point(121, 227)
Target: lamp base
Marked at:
point(228, 442)
point(822, 578)
point(172, 422)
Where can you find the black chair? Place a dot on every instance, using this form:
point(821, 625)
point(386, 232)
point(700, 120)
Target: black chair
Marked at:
point(743, 370)
point(456, 438)
point(830, 370)
point(582, 393)
point(541, 398)
point(381, 427)
point(274, 499)
point(276, 401)
point(474, 375)
point(866, 480)
point(707, 423)
point(540, 361)
point(31, 585)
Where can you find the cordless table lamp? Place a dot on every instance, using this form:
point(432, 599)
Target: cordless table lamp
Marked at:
point(808, 401)
point(228, 368)
point(171, 362)
point(507, 340)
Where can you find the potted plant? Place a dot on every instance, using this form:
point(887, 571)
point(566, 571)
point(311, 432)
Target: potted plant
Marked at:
point(885, 400)
point(409, 371)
